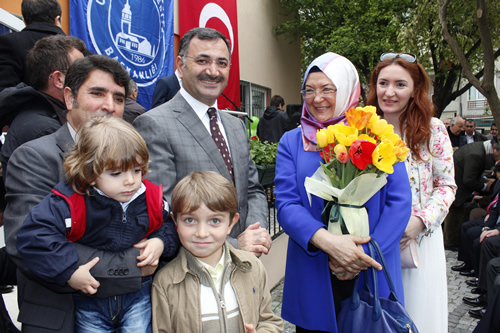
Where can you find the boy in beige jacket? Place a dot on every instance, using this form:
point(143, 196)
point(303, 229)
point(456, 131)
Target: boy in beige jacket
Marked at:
point(210, 286)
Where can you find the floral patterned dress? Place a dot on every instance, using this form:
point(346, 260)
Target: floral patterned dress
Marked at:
point(432, 180)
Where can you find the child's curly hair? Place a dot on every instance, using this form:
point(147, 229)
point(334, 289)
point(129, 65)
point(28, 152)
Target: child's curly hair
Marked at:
point(105, 143)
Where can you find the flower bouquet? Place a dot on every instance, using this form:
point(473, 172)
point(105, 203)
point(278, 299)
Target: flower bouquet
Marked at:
point(357, 159)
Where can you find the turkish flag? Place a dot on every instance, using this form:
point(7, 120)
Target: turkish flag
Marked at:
point(220, 15)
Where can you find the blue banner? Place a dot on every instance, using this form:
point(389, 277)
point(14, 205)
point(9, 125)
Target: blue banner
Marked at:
point(137, 33)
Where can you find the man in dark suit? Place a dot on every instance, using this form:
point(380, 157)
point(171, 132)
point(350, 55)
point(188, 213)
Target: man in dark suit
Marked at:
point(43, 18)
point(165, 89)
point(470, 163)
point(471, 135)
point(181, 136)
point(94, 86)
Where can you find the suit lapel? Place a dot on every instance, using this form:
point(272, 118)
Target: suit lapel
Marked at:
point(192, 124)
point(64, 140)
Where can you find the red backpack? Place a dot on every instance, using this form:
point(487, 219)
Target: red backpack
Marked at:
point(78, 209)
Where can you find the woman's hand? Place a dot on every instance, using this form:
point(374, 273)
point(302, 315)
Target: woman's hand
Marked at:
point(413, 229)
point(344, 252)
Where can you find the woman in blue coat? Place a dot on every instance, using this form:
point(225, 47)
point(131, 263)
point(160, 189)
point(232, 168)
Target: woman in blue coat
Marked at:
point(318, 262)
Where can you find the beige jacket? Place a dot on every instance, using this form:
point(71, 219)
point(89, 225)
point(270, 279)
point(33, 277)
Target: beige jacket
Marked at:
point(176, 294)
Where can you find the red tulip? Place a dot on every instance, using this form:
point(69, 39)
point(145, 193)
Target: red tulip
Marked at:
point(361, 153)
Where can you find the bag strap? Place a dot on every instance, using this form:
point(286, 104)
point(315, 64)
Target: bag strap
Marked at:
point(374, 248)
point(375, 245)
point(377, 311)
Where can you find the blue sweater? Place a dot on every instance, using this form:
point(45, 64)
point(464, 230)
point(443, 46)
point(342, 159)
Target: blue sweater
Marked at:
point(52, 257)
point(307, 295)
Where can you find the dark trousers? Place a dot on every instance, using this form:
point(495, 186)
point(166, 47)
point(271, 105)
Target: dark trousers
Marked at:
point(469, 231)
point(490, 249)
point(452, 225)
point(493, 278)
point(490, 323)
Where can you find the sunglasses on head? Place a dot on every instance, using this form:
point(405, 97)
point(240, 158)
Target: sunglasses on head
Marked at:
point(409, 57)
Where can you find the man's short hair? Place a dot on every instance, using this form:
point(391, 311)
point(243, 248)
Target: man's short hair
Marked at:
point(493, 125)
point(203, 34)
point(277, 100)
point(204, 187)
point(40, 11)
point(48, 55)
point(470, 121)
point(81, 69)
point(132, 85)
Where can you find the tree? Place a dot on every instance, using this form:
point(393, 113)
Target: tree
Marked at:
point(423, 35)
point(485, 86)
point(360, 30)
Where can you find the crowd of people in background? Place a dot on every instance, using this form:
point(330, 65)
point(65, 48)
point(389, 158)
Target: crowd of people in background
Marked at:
point(155, 223)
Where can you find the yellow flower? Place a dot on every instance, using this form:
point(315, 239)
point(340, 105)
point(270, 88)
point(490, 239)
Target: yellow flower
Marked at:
point(370, 108)
point(330, 135)
point(381, 128)
point(401, 152)
point(346, 135)
point(400, 149)
point(322, 138)
point(358, 118)
point(393, 137)
point(368, 138)
point(384, 157)
point(339, 148)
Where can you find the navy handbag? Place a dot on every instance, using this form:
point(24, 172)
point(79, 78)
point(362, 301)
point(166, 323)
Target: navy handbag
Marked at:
point(365, 311)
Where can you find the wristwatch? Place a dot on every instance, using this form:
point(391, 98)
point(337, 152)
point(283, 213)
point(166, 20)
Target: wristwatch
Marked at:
point(485, 228)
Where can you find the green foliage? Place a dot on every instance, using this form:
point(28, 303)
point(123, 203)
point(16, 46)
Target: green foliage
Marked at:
point(263, 153)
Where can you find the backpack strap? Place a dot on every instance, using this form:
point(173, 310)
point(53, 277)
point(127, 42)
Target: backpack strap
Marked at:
point(78, 210)
point(154, 202)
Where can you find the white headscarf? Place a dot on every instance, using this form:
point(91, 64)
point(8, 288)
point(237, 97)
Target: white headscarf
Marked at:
point(343, 75)
point(345, 78)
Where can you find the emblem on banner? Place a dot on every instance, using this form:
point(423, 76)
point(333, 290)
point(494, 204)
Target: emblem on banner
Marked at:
point(132, 32)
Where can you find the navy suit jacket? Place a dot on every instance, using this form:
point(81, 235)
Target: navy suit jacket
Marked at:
point(165, 89)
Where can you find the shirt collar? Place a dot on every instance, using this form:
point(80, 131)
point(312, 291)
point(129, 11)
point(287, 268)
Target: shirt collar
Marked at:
point(124, 205)
point(198, 107)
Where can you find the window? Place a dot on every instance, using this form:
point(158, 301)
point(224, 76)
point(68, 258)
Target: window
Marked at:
point(253, 98)
point(475, 95)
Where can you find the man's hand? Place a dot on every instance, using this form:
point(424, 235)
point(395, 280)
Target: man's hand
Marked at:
point(489, 182)
point(255, 239)
point(82, 280)
point(489, 233)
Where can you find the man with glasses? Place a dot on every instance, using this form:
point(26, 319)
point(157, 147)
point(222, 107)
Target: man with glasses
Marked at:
point(188, 133)
point(37, 110)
